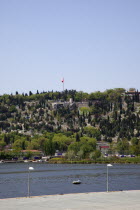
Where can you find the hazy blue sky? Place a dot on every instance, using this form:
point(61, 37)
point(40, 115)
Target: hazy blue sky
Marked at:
point(93, 44)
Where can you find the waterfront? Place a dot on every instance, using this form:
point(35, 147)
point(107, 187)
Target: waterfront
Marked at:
point(49, 179)
point(126, 200)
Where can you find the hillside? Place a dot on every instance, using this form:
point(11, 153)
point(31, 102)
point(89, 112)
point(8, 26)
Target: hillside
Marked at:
point(112, 116)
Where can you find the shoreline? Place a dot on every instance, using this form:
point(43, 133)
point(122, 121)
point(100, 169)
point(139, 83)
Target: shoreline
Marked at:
point(75, 162)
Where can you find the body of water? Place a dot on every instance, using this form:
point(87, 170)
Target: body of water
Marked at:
point(48, 179)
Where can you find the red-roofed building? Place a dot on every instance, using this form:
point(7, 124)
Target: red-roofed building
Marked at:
point(34, 152)
point(103, 147)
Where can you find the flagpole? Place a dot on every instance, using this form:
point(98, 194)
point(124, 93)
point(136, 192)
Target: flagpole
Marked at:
point(63, 83)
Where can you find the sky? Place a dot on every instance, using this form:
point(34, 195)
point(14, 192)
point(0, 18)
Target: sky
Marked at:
point(93, 44)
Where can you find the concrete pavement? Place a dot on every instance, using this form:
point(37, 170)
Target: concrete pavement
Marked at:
point(122, 200)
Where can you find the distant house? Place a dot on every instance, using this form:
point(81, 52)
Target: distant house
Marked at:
point(59, 154)
point(36, 152)
point(82, 104)
point(60, 105)
point(103, 147)
point(57, 105)
point(133, 93)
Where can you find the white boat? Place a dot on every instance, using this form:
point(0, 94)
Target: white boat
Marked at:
point(76, 182)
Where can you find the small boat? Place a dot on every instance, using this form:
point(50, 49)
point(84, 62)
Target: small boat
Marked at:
point(76, 182)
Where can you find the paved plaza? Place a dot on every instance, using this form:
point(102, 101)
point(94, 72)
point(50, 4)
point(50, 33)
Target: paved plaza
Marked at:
point(122, 200)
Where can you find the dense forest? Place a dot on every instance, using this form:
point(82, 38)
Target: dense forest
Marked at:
point(70, 121)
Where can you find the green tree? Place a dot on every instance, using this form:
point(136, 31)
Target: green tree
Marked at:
point(95, 154)
point(75, 146)
point(49, 147)
point(86, 150)
point(12, 109)
point(123, 147)
point(33, 145)
point(61, 141)
point(92, 132)
point(70, 155)
point(77, 137)
point(2, 144)
point(20, 145)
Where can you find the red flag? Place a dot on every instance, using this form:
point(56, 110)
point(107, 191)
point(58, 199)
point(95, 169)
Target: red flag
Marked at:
point(62, 80)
